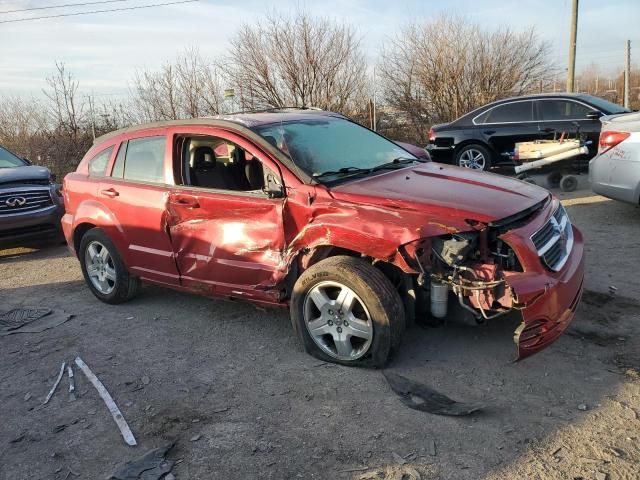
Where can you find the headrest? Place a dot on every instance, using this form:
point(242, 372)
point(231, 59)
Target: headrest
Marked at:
point(204, 157)
point(255, 175)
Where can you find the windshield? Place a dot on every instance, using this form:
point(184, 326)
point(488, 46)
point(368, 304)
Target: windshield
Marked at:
point(329, 145)
point(9, 160)
point(607, 106)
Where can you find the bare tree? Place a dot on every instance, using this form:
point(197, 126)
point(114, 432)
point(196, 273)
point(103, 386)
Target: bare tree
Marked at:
point(439, 70)
point(65, 106)
point(187, 88)
point(297, 61)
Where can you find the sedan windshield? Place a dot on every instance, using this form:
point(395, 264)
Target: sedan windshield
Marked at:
point(9, 160)
point(329, 148)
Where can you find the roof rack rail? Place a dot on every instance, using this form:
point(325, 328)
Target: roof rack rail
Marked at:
point(274, 109)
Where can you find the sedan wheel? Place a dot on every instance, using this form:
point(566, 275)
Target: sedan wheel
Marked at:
point(100, 267)
point(472, 158)
point(338, 321)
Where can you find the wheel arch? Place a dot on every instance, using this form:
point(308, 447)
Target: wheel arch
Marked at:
point(473, 141)
point(404, 282)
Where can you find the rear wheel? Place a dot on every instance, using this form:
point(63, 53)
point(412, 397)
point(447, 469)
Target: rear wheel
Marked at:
point(568, 183)
point(103, 269)
point(474, 156)
point(346, 311)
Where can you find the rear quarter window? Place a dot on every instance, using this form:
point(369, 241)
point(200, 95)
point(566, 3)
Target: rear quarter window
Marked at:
point(144, 160)
point(98, 164)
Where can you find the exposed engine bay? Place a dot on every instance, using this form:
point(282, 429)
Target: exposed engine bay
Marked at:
point(471, 266)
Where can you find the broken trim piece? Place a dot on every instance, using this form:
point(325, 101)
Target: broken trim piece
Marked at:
point(55, 385)
point(126, 432)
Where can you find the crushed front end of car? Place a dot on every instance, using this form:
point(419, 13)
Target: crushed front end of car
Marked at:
point(530, 263)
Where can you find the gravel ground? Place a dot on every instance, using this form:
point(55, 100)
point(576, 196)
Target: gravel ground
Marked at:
point(230, 385)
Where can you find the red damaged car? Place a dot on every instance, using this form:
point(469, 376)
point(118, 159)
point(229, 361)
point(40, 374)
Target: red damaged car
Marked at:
point(308, 210)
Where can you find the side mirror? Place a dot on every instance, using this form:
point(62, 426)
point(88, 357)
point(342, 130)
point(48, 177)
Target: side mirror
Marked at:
point(594, 115)
point(273, 188)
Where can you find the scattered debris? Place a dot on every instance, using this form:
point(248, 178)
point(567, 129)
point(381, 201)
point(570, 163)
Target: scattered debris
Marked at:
point(18, 439)
point(169, 476)
point(350, 470)
point(72, 384)
point(616, 451)
point(30, 320)
point(432, 448)
point(151, 466)
point(146, 380)
point(59, 428)
point(108, 400)
point(27, 396)
point(420, 397)
point(195, 438)
point(582, 407)
point(601, 476)
point(613, 289)
point(220, 410)
point(55, 385)
point(398, 459)
point(19, 317)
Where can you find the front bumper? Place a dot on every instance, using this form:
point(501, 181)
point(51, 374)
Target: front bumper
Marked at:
point(32, 228)
point(550, 301)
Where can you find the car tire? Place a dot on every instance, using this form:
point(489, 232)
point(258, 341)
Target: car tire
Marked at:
point(568, 183)
point(365, 332)
point(475, 157)
point(103, 269)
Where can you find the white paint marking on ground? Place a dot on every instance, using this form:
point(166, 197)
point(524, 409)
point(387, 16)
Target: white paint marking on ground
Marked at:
point(55, 385)
point(108, 400)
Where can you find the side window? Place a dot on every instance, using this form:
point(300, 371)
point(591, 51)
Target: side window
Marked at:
point(216, 163)
point(562, 110)
point(510, 112)
point(118, 166)
point(98, 164)
point(144, 160)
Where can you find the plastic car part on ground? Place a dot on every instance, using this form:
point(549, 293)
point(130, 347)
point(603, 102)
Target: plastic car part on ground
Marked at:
point(420, 397)
point(30, 320)
point(151, 466)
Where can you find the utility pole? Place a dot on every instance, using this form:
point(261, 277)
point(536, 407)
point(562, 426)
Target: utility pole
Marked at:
point(627, 74)
point(93, 116)
point(571, 71)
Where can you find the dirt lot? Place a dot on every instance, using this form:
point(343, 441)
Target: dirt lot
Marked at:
point(230, 385)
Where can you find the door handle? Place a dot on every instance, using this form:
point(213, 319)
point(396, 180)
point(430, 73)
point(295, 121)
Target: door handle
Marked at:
point(186, 202)
point(489, 132)
point(547, 130)
point(109, 192)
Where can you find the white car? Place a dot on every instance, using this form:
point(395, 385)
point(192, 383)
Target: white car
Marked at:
point(615, 171)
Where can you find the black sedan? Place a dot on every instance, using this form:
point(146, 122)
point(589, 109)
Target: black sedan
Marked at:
point(486, 136)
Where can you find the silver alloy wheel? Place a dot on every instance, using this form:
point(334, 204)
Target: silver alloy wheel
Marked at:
point(473, 159)
point(338, 321)
point(100, 267)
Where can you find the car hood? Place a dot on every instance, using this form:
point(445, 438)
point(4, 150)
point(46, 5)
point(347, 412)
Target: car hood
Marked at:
point(445, 191)
point(26, 173)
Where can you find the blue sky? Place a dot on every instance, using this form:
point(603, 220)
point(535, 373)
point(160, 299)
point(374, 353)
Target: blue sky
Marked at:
point(104, 50)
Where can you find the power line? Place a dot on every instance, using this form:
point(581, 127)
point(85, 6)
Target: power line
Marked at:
point(61, 6)
point(97, 11)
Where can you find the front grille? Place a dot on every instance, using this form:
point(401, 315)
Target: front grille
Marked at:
point(24, 200)
point(554, 240)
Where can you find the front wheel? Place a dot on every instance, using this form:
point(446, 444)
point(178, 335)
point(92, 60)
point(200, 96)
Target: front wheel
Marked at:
point(346, 311)
point(474, 156)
